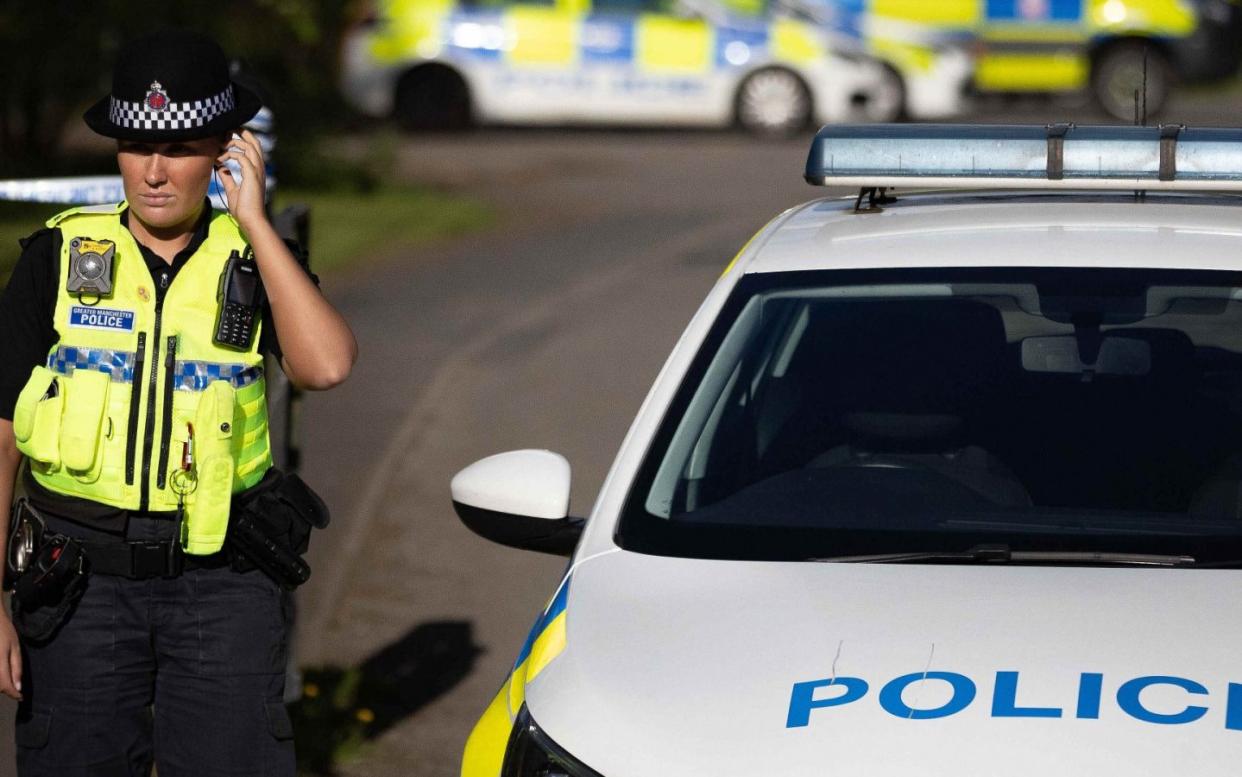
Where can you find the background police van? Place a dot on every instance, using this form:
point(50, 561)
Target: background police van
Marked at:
point(928, 68)
point(668, 62)
point(1058, 46)
point(947, 484)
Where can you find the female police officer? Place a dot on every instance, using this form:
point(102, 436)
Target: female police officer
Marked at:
point(136, 396)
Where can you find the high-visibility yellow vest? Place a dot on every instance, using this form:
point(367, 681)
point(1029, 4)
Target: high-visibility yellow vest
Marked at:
point(107, 418)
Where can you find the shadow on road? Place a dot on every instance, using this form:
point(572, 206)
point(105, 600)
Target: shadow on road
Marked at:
point(342, 708)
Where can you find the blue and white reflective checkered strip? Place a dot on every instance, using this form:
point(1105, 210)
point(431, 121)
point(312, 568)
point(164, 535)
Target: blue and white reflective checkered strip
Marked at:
point(117, 364)
point(197, 376)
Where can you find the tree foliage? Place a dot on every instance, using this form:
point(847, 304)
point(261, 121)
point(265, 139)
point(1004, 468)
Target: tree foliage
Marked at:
point(58, 57)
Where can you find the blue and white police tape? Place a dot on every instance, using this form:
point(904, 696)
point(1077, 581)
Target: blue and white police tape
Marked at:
point(95, 190)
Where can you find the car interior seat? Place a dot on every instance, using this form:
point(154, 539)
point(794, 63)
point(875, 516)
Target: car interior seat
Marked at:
point(908, 380)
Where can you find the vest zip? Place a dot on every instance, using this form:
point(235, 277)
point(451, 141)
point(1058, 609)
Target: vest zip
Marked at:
point(135, 407)
point(149, 436)
point(170, 366)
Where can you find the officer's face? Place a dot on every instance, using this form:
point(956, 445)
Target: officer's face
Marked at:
point(166, 183)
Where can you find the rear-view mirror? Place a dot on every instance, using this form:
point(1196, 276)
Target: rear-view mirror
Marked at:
point(1060, 353)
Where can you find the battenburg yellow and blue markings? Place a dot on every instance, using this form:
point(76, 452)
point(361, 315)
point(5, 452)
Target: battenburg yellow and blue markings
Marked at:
point(485, 749)
point(546, 639)
point(651, 43)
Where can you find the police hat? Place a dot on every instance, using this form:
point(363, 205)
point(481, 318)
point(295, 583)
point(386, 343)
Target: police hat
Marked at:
point(171, 86)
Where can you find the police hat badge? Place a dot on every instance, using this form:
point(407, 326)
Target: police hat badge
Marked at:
point(90, 266)
point(157, 98)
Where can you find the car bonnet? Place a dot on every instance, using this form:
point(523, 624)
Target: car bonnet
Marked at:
point(680, 666)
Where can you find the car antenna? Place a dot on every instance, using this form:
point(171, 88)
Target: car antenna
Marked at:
point(1140, 109)
point(1140, 96)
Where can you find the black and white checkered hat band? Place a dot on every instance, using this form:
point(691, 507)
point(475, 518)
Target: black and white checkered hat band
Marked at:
point(176, 116)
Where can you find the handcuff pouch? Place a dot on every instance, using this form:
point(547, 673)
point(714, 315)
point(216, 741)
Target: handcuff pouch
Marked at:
point(53, 580)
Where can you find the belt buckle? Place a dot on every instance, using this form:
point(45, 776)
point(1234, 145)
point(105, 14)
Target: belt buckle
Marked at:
point(155, 559)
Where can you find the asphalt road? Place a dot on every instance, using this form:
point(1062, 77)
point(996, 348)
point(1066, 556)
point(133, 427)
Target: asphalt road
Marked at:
point(543, 332)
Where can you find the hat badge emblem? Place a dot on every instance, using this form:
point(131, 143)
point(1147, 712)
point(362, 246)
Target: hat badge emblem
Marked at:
point(157, 98)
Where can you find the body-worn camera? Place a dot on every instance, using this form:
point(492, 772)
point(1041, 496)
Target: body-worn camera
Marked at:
point(90, 266)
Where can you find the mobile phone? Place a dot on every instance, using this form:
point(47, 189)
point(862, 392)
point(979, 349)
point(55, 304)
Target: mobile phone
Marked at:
point(240, 298)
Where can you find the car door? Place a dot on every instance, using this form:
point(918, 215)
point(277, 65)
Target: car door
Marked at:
point(1034, 45)
point(653, 61)
point(523, 58)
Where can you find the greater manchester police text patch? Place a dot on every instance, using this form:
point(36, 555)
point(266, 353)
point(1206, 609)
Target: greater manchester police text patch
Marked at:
point(101, 318)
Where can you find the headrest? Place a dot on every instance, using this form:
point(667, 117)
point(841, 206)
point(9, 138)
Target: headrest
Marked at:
point(908, 356)
point(902, 431)
point(1172, 353)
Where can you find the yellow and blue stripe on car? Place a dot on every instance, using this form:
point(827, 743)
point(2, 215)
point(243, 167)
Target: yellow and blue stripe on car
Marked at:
point(485, 749)
point(650, 43)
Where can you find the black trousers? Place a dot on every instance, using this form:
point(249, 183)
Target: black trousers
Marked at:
point(187, 673)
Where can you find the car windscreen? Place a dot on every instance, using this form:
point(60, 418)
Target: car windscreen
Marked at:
point(832, 413)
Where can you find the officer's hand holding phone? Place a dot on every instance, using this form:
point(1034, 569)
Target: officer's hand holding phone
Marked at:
point(245, 200)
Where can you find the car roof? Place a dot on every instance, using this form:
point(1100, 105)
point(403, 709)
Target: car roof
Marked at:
point(1005, 229)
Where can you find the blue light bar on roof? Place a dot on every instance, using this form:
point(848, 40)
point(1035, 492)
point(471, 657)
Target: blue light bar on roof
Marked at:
point(1026, 156)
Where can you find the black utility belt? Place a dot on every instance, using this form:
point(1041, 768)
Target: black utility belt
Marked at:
point(42, 560)
point(144, 560)
point(269, 529)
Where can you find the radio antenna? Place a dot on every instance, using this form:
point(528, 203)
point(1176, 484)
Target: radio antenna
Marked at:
point(1140, 96)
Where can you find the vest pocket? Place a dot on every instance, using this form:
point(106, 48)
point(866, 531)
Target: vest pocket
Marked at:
point(207, 516)
point(251, 445)
point(37, 418)
point(81, 433)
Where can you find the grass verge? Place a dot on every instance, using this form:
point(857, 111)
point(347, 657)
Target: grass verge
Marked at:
point(347, 228)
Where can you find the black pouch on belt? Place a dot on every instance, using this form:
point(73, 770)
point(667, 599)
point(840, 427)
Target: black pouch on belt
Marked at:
point(47, 577)
point(270, 528)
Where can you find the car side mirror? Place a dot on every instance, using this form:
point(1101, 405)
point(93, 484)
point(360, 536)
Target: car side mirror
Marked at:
point(519, 499)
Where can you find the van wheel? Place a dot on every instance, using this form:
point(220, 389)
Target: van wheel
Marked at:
point(773, 103)
point(1118, 72)
point(432, 97)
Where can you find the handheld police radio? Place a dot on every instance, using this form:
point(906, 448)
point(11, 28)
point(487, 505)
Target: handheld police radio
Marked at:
point(240, 296)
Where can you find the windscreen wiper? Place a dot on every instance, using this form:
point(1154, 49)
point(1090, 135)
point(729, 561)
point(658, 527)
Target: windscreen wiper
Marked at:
point(1001, 554)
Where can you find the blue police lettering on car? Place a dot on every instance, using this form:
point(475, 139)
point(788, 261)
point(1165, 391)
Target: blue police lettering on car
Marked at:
point(101, 318)
point(1233, 708)
point(802, 699)
point(1129, 701)
point(1090, 688)
point(1005, 700)
point(963, 695)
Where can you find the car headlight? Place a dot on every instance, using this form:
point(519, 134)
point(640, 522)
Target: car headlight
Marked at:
point(531, 753)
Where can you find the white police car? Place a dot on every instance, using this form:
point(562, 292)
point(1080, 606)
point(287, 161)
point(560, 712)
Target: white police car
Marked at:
point(443, 63)
point(943, 485)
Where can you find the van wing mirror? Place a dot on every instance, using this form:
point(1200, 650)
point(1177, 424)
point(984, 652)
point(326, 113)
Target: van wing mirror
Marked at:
point(519, 499)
